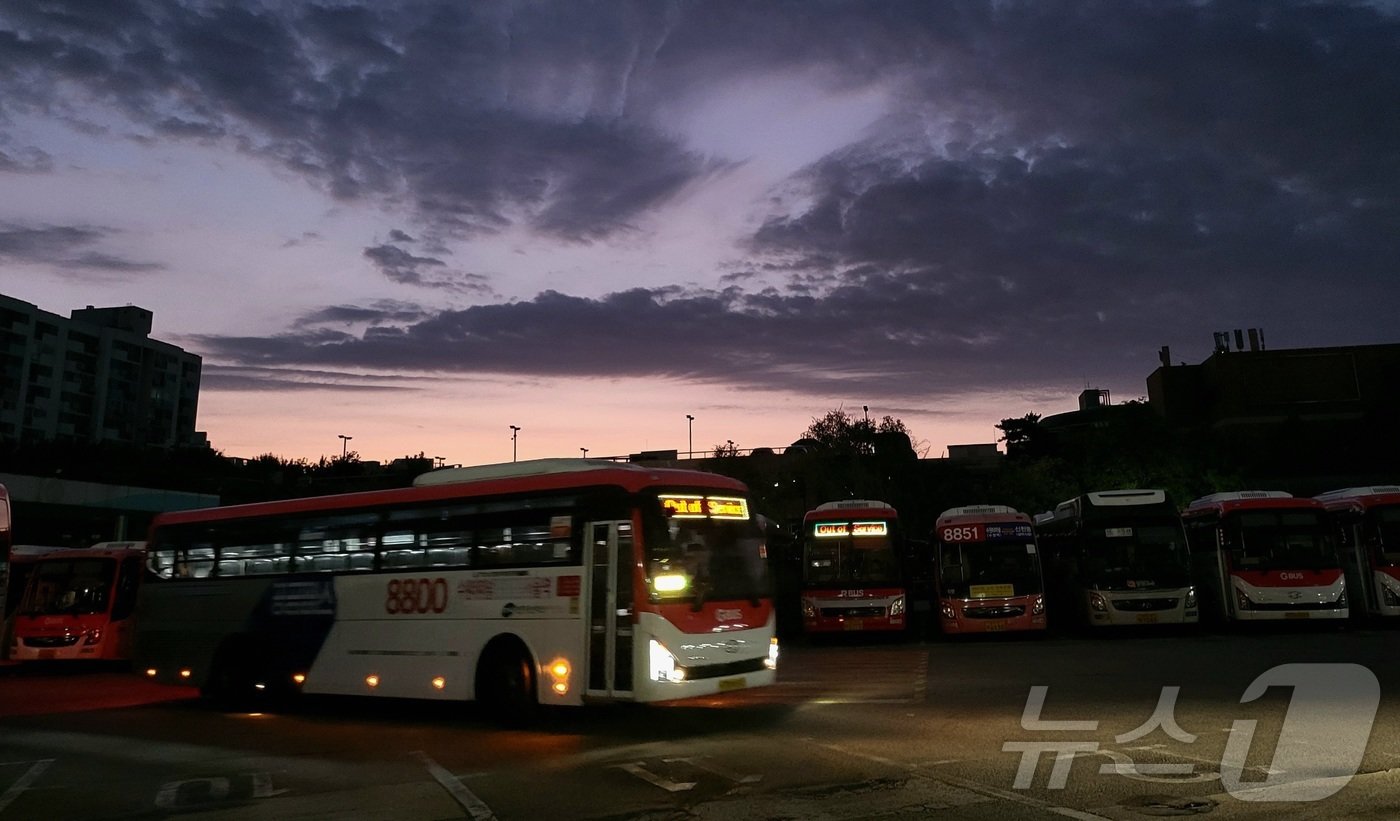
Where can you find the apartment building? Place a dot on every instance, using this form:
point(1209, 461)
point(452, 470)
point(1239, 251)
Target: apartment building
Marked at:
point(95, 376)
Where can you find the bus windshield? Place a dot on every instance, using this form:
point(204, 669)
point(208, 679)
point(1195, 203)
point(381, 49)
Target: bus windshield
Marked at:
point(1388, 533)
point(1280, 540)
point(71, 587)
point(720, 558)
point(1137, 555)
point(973, 565)
point(865, 560)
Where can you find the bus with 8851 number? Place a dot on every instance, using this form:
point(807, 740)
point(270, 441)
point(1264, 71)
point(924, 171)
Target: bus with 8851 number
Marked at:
point(988, 574)
point(553, 581)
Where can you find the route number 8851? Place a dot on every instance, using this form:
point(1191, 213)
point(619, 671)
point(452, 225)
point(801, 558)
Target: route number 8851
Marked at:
point(409, 596)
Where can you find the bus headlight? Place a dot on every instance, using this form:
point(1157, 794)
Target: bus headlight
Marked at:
point(1039, 606)
point(662, 665)
point(1242, 601)
point(92, 637)
point(772, 661)
point(809, 609)
point(670, 583)
point(949, 612)
point(1190, 598)
point(897, 606)
point(1341, 598)
point(1097, 602)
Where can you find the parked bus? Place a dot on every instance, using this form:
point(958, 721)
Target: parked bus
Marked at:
point(853, 568)
point(6, 540)
point(556, 581)
point(1118, 557)
point(988, 576)
point(1366, 523)
point(77, 603)
point(1263, 555)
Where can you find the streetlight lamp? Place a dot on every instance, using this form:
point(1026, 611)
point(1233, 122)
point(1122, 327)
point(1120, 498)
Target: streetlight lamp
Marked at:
point(585, 452)
point(514, 431)
point(690, 436)
point(344, 445)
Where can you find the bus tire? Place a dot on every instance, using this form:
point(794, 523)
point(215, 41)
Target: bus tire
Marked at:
point(506, 681)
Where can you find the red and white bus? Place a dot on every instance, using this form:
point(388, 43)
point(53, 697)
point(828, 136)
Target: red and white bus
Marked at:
point(77, 603)
point(853, 568)
point(1367, 522)
point(987, 571)
point(553, 581)
point(1261, 555)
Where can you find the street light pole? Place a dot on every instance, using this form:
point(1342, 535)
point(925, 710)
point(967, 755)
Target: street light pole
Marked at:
point(585, 452)
point(514, 431)
point(690, 436)
point(344, 445)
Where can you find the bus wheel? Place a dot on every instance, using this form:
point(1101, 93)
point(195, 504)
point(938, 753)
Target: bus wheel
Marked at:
point(505, 681)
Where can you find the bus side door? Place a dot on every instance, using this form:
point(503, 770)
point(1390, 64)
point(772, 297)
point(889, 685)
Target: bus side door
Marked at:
point(608, 555)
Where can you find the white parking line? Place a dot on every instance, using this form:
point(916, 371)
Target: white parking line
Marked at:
point(24, 781)
point(474, 806)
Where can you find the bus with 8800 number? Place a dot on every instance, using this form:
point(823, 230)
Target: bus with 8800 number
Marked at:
point(553, 581)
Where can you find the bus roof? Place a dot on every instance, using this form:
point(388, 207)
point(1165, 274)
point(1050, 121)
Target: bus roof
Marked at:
point(38, 552)
point(1248, 500)
point(508, 470)
point(580, 474)
point(1120, 498)
point(846, 508)
point(985, 514)
point(979, 510)
point(1360, 498)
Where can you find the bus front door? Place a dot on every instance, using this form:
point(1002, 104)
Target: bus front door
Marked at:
point(610, 609)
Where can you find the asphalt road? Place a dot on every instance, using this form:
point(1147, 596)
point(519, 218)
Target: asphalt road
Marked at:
point(1124, 727)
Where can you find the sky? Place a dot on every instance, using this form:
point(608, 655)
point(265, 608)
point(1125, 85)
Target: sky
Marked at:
point(420, 224)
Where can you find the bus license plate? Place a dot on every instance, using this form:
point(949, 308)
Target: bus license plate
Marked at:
point(1296, 615)
point(854, 624)
point(993, 627)
point(1147, 618)
point(726, 684)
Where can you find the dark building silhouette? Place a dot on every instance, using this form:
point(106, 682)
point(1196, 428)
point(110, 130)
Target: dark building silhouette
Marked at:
point(1319, 410)
point(95, 377)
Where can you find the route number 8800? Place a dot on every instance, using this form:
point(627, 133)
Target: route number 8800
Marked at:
point(409, 596)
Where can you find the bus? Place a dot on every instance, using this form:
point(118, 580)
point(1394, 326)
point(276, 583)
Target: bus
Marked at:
point(1118, 558)
point(853, 568)
point(987, 571)
point(1263, 555)
point(1366, 522)
point(77, 604)
point(552, 581)
point(6, 540)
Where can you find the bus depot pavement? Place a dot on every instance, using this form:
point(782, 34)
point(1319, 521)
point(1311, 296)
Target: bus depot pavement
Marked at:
point(39, 689)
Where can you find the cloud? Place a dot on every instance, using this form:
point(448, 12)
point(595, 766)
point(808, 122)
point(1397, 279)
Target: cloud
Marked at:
point(216, 377)
point(401, 266)
point(1057, 189)
point(65, 249)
